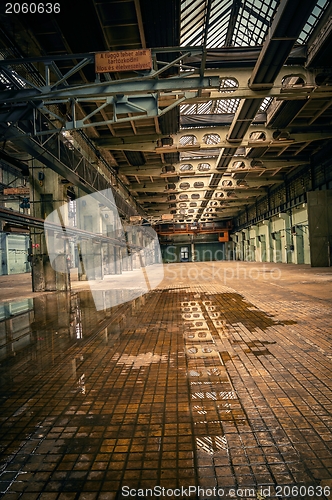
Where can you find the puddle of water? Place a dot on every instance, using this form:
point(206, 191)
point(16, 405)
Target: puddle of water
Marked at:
point(34, 334)
point(140, 360)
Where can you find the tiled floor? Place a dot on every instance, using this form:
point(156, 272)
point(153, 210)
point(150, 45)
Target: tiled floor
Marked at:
point(220, 378)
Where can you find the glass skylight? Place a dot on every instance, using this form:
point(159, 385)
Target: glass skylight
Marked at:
point(253, 19)
point(315, 16)
point(253, 22)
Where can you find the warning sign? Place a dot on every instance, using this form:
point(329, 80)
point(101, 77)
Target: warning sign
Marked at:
point(17, 190)
point(124, 60)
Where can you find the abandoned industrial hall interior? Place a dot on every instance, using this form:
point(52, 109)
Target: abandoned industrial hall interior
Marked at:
point(166, 247)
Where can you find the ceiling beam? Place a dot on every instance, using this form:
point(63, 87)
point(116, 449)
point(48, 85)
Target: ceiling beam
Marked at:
point(107, 89)
point(290, 17)
point(140, 23)
point(232, 22)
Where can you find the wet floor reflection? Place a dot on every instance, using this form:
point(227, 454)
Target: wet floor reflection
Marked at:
point(34, 333)
point(52, 321)
point(165, 389)
point(15, 319)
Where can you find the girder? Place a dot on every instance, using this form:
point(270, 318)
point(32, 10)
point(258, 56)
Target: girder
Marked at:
point(104, 90)
point(220, 142)
point(146, 96)
point(287, 24)
point(210, 83)
point(82, 174)
point(244, 166)
point(159, 186)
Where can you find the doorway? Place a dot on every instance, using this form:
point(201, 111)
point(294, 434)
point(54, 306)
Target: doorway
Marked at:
point(184, 254)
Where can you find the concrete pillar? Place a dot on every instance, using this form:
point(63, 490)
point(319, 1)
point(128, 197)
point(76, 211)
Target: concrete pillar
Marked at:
point(266, 248)
point(89, 218)
point(118, 251)
point(144, 252)
point(37, 273)
point(117, 260)
point(192, 251)
point(136, 255)
point(257, 244)
point(130, 254)
point(301, 234)
point(110, 259)
point(246, 244)
point(230, 250)
point(237, 239)
point(43, 274)
point(320, 227)
point(137, 262)
point(277, 246)
point(234, 238)
point(109, 251)
point(85, 268)
point(109, 218)
point(124, 258)
point(298, 245)
point(254, 244)
point(4, 253)
point(63, 278)
point(98, 260)
point(287, 246)
point(47, 194)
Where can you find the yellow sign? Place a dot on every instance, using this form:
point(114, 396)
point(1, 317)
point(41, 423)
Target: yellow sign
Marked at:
point(124, 60)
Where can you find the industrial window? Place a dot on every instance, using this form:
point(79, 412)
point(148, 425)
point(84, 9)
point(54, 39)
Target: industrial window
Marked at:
point(204, 167)
point(185, 167)
point(188, 140)
point(211, 139)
